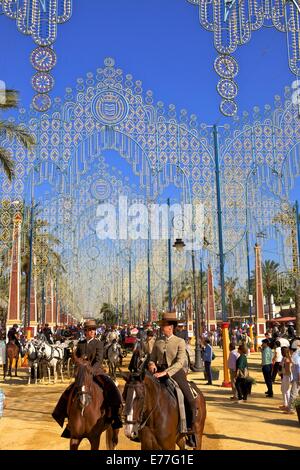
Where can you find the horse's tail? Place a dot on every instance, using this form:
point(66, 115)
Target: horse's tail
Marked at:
point(111, 438)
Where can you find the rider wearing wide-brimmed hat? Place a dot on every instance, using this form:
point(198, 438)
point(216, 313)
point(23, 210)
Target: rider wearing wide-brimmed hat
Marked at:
point(167, 360)
point(92, 350)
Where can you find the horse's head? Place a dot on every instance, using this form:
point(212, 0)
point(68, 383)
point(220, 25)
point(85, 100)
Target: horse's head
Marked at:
point(133, 396)
point(30, 349)
point(83, 382)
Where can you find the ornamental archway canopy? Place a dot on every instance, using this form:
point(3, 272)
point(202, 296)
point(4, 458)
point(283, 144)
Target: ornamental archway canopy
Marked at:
point(108, 116)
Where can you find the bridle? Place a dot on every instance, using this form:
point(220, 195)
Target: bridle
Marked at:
point(84, 398)
point(140, 423)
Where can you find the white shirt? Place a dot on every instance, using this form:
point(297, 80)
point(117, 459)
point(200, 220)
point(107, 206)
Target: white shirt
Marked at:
point(278, 355)
point(233, 357)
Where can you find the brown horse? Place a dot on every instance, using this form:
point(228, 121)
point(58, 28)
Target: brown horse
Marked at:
point(152, 414)
point(86, 413)
point(12, 352)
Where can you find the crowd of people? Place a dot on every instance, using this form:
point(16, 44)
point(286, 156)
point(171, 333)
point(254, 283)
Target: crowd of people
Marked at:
point(280, 354)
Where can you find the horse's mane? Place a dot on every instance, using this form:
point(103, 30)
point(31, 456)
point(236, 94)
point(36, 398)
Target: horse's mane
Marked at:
point(154, 380)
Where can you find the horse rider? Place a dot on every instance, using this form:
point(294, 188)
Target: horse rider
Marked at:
point(48, 333)
point(167, 360)
point(92, 350)
point(13, 335)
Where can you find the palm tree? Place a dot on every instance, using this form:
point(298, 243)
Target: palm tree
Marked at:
point(108, 313)
point(11, 131)
point(269, 275)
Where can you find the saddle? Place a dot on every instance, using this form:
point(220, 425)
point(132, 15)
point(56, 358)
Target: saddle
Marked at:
point(175, 391)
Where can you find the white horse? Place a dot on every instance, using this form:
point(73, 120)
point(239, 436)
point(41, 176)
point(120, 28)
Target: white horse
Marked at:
point(113, 358)
point(53, 356)
point(33, 356)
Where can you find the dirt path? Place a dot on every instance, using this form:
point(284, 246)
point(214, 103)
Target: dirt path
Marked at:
point(258, 424)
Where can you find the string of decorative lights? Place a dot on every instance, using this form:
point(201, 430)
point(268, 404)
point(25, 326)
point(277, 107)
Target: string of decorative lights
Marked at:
point(39, 18)
point(232, 22)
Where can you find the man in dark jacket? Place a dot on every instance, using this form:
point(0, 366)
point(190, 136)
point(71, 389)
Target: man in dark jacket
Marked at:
point(48, 333)
point(91, 349)
point(13, 335)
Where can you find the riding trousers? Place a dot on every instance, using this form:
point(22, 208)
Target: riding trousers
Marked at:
point(180, 378)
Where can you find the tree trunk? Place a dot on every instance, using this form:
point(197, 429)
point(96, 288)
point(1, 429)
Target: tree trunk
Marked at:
point(231, 307)
point(269, 307)
point(26, 320)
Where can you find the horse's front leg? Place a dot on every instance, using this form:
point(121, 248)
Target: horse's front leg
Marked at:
point(150, 442)
point(41, 371)
point(55, 373)
point(49, 372)
point(29, 374)
point(112, 438)
point(74, 443)
point(95, 441)
point(61, 372)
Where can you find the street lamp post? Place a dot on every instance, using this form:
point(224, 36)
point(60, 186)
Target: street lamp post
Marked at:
point(225, 324)
point(122, 295)
point(149, 276)
point(297, 296)
point(169, 262)
point(130, 300)
point(27, 321)
point(201, 297)
point(197, 365)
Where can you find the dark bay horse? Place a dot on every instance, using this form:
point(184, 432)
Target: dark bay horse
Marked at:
point(152, 414)
point(86, 413)
point(12, 352)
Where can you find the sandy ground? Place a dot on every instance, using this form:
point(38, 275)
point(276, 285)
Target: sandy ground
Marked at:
point(258, 424)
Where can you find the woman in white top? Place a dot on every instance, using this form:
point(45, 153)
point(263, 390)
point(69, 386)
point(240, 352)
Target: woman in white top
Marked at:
point(286, 377)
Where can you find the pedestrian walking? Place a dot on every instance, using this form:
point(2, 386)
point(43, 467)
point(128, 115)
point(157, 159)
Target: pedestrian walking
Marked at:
point(241, 374)
point(231, 363)
point(286, 377)
point(207, 358)
point(295, 379)
point(267, 356)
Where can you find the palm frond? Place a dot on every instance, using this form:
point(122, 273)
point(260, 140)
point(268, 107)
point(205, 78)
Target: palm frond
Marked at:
point(14, 131)
point(10, 99)
point(7, 163)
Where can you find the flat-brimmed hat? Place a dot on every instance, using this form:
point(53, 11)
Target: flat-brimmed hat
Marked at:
point(90, 324)
point(168, 318)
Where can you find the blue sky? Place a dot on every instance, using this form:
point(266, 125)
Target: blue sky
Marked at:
point(159, 42)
